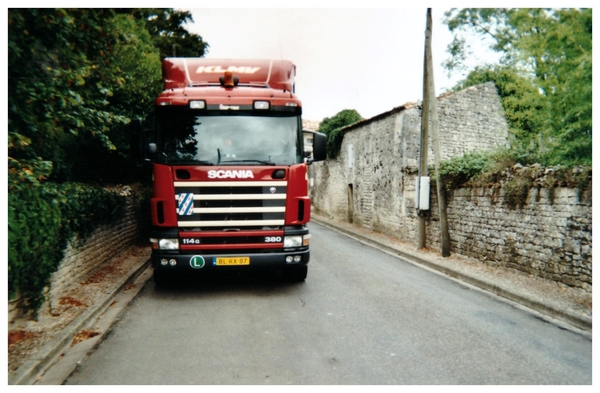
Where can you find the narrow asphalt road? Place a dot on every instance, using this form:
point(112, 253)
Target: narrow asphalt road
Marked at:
point(362, 317)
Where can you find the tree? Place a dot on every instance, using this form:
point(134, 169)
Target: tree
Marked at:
point(553, 48)
point(136, 72)
point(67, 76)
point(76, 79)
point(166, 26)
point(332, 127)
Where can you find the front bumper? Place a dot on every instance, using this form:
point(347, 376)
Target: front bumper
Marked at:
point(190, 261)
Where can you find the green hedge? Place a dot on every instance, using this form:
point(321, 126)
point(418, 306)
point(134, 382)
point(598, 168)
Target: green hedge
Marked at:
point(492, 168)
point(42, 218)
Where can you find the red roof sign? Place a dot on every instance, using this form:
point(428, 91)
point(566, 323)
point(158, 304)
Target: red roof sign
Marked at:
point(189, 72)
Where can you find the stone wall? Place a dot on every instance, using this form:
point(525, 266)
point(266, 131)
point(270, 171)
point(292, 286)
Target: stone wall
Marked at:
point(82, 257)
point(549, 235)
point(372, 183)
point(366, 183)
point(106, 242)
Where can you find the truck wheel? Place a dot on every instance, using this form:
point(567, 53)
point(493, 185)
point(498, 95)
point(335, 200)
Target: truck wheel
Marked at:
point(295, 274)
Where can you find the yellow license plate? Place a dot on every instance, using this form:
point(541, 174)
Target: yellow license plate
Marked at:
point(232, 261)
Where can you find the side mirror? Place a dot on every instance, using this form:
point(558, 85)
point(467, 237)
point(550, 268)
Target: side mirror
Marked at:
point(315, 146)
point(319, 146)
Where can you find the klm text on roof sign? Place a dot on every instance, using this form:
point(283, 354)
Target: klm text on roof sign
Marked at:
point(219, 70)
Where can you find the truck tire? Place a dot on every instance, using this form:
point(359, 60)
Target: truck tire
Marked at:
point(295, 274)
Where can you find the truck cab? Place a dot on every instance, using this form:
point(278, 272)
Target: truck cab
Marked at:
point(230, 182)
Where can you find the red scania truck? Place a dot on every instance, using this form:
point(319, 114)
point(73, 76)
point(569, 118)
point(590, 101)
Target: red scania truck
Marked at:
point(230, 181)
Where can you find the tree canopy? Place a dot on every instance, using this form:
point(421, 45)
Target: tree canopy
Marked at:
point(167, 28)
point(76, 78)
point(544, 75)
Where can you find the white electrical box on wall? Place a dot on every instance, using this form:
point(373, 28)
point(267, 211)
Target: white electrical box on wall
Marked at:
point(422, 197)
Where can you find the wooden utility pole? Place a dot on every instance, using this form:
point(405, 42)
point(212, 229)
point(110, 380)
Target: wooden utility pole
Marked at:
point(429, 101)
point(424, 146)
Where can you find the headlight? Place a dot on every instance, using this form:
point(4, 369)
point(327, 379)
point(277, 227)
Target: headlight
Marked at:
point(168, 244)
point(292, 241)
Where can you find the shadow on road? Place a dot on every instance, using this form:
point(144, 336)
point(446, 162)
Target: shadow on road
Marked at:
point(226, 281)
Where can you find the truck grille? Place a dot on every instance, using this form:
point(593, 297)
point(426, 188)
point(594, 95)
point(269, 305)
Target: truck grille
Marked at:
point(230, 205)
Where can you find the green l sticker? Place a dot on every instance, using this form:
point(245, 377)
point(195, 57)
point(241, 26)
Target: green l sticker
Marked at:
point(197, 262)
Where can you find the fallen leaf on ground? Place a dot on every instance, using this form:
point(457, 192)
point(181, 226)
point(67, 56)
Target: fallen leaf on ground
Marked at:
point(84, 335)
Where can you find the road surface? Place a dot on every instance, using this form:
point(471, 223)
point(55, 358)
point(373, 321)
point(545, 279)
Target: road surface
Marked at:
point(362, 317)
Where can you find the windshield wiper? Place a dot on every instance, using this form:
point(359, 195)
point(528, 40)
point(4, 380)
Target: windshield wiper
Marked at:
point(257, 161)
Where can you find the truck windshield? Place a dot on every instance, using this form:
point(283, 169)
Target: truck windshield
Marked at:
point(230, 140)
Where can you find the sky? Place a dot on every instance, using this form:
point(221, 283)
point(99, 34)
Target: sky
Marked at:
point(370, 60)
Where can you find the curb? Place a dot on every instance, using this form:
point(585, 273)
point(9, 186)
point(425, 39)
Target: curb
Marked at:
point(582, 323)
point(34, 368)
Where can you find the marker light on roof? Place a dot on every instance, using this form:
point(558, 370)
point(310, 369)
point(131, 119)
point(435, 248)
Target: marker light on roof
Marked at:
point(261, 105)
point(197, 104)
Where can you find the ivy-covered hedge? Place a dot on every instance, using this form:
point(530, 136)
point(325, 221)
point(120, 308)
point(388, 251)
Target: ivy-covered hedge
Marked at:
point(504, 168)
point(42, 218)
